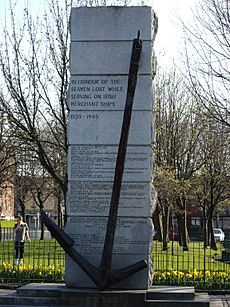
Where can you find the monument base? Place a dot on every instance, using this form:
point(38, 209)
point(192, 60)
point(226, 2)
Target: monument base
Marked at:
point(60, 295)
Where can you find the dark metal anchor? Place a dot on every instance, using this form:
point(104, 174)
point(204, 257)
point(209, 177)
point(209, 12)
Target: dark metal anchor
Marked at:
point(104, 276)
point(106, 260)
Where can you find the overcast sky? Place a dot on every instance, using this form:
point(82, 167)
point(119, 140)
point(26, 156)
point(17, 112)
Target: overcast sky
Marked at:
point(169, 38)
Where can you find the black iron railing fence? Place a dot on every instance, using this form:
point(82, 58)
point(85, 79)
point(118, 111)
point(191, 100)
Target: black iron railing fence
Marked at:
point(44, 261)
point(200, 266)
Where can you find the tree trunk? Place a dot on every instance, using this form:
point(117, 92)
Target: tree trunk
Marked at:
point(23, 209)
point(210, 234)
point(42, 230)
point(205, 227)
point(59, 214)
point(183, 231)
point(165, 222)
point(158, 223)
point(210, 231)
point(42, 225)
point(179, 223)
point(206, 235)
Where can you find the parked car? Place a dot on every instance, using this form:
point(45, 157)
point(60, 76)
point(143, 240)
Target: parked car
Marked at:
point(219, 235)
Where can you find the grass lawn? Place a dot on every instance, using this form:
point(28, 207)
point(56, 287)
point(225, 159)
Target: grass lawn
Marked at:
point(37, 253)
point(44, 261)
point(7, 224)
point(49, 252)
point(195, 258)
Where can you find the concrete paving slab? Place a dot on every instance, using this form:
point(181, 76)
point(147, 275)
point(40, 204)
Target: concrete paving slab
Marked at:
point(221, 300)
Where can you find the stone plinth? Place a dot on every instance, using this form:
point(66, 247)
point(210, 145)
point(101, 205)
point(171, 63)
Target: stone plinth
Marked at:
point(60, 295)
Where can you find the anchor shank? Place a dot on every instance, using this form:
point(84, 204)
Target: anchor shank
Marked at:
point(120, 162)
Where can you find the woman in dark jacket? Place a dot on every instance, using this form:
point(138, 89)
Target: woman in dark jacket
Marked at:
point(21, 234)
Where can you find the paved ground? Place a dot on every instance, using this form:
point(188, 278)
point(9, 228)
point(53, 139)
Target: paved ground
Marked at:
point(220, 300)
point(6, 291)
point(215, 300)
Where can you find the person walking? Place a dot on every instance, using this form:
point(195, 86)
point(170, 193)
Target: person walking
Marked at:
point(21, 234)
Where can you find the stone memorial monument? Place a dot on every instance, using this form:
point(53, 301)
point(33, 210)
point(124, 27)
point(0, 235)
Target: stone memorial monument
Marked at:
point(101, 47)
point(108, 234)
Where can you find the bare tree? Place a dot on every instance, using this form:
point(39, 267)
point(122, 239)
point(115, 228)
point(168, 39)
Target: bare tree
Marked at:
point(7, 151)
point(208, 57)
point(34, 63)
point(167, 190)
point(211, 182)
point(41, 191)
point(7, 166)
point(28, 168)
point(177, 135)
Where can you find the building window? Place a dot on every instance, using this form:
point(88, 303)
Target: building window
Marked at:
point(195, 221)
